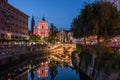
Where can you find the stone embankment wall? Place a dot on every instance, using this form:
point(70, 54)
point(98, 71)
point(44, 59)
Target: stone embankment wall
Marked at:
point(15, 52)
point(96, 69)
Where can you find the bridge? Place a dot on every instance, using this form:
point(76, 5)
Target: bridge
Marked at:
point(60, 48)
point(60, 52)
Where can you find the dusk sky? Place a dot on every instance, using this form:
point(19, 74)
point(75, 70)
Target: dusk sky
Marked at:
point(58, 12)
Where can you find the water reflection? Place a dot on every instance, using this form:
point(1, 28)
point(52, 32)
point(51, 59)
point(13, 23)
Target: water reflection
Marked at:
point(53, 64)
point(54, 70)
point(43, 69)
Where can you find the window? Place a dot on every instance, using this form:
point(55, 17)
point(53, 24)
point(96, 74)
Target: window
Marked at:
point(42, 27)
point(2, 4)
point(2, 35)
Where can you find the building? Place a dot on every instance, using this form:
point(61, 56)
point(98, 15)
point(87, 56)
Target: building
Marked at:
point(62, 36)
point(70, 36)
point(42, 30)
point(13, 22)
point(65, 36)
point(43, 70)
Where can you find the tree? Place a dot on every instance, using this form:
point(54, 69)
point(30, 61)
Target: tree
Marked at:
point(32, 24)
point(106, 20)
point(53, 32)
point(35, 38)
point(79, 26)
point(76, 28)
point(99, 18)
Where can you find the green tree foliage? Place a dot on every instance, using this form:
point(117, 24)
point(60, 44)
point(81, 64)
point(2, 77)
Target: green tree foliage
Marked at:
point(53, 32)
point(99, 18)
point(35, 38)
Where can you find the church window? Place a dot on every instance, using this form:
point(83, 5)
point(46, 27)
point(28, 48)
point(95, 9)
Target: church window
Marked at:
point(42, 27)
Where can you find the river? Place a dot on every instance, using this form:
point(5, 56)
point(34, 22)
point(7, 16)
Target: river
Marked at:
point(46, 66)
point(54, 71)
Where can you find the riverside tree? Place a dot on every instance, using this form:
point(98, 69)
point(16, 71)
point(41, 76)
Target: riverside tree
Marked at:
point(99, 18)
point(53, 32)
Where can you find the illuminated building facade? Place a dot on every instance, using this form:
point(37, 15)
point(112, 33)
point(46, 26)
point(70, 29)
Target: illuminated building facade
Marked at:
point(13, 22)
point(43, 70)
point(65, 36)
point(62, 36)
point(42, 30)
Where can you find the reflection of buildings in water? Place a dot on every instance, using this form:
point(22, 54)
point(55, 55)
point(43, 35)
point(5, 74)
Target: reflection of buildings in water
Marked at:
point(53, 70)
point(62, 65)
point(43, 70)
point(66, 64)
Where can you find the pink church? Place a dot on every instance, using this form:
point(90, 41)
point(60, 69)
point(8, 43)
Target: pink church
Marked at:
point(42, 30)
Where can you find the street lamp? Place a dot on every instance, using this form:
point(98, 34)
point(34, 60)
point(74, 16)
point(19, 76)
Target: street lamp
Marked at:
point(8, 36)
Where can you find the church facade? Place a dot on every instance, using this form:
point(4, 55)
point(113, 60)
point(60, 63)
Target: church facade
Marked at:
point(42, 30)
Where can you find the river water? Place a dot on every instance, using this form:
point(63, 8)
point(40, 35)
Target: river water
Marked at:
point(54, 71)
point(54, 66)
point(46, 66)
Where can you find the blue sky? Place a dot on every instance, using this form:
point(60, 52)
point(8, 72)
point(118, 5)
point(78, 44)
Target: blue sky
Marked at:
point(58, 12)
